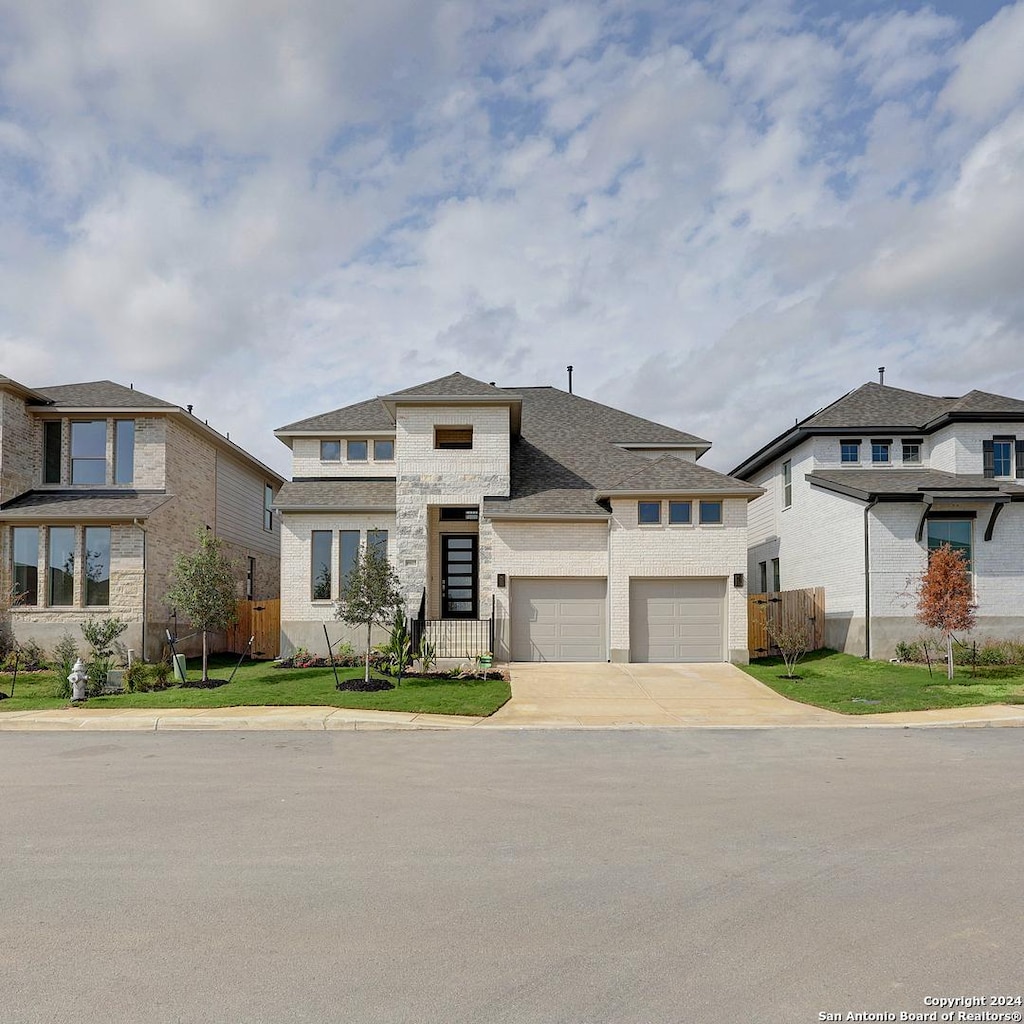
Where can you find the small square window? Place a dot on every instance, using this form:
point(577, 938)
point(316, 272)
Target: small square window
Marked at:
point(356, 451)
point(710, 511)
point(911, 451)
point(648, 512)
point(384, 451)
point(680, 512)
point(849, 451)
point(879, 451)
point(330, 451)
point(453, 437)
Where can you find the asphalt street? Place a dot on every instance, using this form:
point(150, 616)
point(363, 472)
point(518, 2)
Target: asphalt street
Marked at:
point(635, 876)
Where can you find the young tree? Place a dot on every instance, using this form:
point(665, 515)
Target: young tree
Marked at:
point(371, 594)
point(792, 639)
point(944, 597)
point(203, 589)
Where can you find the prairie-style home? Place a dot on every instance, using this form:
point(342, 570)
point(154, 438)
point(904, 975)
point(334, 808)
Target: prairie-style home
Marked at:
point(549, 526)
point(101, 487)
point(857, 494)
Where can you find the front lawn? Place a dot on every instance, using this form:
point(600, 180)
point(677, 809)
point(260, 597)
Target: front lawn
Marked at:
point(856, 686)
point(260, 683)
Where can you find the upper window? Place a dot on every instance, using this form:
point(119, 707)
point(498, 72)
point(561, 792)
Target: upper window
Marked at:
point(710, 511)
point(1002, 458)
point(250, 579)
point(954, 532)
point(880, 451)
point(268, 507)
point(648, 512)
point(453, 437)
point(911, 451)
point(459, 515)
point(356, 451)
point(787, 483)
point(384, 451)
point(680, 512)
point(97, 565)
point(124, 451)
point(89, 452)
point(330, 451)
point(849, 451)
point(51, 451)
point(320, 565)
point(25, 552)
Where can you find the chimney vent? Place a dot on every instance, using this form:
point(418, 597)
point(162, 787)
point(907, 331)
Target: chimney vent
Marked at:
point(881, 375)
point(569, 368)
point(189, 407)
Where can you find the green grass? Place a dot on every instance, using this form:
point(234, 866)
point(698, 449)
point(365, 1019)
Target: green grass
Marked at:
point(836, 681)
point(259, 683)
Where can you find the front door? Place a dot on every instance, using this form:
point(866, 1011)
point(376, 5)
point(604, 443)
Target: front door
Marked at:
point(458, 576)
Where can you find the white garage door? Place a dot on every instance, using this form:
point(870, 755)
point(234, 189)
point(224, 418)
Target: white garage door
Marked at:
point(559, 620)
point(677, 620)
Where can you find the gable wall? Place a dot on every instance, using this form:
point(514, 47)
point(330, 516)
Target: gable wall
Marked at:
point(20, 447)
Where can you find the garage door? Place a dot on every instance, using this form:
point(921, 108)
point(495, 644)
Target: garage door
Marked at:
point(677, 620)
point(559, 620)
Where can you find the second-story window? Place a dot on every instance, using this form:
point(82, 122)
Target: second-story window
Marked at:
point(330, 451)
point(787, 483)
point(1002, 458)
point(356, 451)
point(453, 437)
point(268, 507)
point(124, 451)
point(911, 451)
point(849, 451)
point(384, 451)
point(880, 450)
point(51, 451)
point(89, 452)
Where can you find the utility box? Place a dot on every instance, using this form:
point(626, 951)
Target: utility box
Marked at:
point(178, 664)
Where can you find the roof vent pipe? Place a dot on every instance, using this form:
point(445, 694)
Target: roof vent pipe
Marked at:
point(569, 368)
point(881, 375)
point(189, 407)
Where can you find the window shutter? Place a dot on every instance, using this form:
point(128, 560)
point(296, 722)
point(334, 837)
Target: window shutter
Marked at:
point(988, 458)
point(1019, 451)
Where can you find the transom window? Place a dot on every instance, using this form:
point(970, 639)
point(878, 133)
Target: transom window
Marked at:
point(880, 451)
point(89, 452)
point(849, 451)
point(459, 515)
point(954, 532)
point(330, 451)
point(648, 512)
point(710, 511)
point(356, 451)
point(453, 437)
point(680, 512)
point(911, 451)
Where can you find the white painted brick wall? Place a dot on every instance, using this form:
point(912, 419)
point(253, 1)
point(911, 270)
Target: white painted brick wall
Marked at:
point(462, 471)
point(958, 448)
point(306, 459)
point(678, 551)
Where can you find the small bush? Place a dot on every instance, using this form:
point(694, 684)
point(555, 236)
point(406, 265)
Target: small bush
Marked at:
point(136, 677)
point(370, 685)
point(161, 672)
point(65, 654)
point(27, 655)
point(909, 651)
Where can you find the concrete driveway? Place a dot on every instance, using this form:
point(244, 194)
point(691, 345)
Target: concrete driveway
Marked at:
point(609, 695)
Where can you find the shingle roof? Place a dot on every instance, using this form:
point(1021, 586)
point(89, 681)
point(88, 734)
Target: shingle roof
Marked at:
point(669, 473)
point(99, 394)
point(15, 385)
point(455, 384)
point(342, 494)
point(867, 483)
point(368, 415)
point(91, 504)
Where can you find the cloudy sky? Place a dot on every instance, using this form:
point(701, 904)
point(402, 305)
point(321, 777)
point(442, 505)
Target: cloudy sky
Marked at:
point(724, 214)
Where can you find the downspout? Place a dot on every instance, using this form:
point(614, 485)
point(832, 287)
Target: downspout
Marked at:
point(608, 594)
point(145, 586)
point(867, 579)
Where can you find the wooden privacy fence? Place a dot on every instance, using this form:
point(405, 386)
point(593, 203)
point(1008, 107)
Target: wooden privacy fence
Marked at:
point(259, 619)
point(791, 608)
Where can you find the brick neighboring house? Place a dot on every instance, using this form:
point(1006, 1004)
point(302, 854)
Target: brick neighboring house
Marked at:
point(591, 534)
point(101, 487)
point(858, 493)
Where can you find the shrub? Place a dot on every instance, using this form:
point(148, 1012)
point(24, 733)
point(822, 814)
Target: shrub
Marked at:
point(909, 651)
point(161, 675)
point(136, 677)
point(65, 654)
point(28, 656)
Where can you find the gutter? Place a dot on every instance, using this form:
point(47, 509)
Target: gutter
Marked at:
point(867, 578)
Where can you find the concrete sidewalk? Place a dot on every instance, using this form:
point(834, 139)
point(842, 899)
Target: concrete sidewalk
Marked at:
point(544, 696)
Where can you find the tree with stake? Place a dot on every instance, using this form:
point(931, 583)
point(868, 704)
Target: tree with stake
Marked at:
point(944, 597)
point(793, 640)
point(371, 594)
point(203, 588)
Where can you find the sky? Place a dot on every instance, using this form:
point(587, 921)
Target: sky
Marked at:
point(723, 214)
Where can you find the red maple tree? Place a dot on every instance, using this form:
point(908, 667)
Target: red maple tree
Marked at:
point(944, 597)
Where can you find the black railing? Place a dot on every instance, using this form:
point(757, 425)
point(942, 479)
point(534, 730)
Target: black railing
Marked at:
point(453, 638)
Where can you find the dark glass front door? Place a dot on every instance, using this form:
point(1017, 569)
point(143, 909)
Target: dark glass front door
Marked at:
point(458, 576)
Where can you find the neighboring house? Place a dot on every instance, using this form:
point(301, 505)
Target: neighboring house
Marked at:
point(101, 487)
point(588, 533)
point(857, 494)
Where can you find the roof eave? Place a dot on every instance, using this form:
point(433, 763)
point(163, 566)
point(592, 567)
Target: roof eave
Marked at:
point(514, 403)
point(586, 517)
point(666, 492)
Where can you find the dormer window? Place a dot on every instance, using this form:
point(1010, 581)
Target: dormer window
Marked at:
point(330, 451)
point(356, 451)
point(453, 437)
point(849, 451)
point(880, 448)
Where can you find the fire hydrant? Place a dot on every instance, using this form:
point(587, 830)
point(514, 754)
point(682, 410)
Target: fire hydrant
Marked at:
point(78, 678)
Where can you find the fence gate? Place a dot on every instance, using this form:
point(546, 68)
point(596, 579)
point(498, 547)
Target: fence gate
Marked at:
point(261, 620)
point(792, 608)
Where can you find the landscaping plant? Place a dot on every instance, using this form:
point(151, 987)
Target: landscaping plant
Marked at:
point(101, 636)
point(793, 640)
point(944, 597)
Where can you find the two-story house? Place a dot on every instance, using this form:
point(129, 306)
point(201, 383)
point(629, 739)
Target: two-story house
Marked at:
point(856, 495)
point(584, 533)
point(101, 487)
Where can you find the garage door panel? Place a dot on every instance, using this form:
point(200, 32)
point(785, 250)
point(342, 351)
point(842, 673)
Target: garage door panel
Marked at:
point(559, 620)
point(677, 620)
